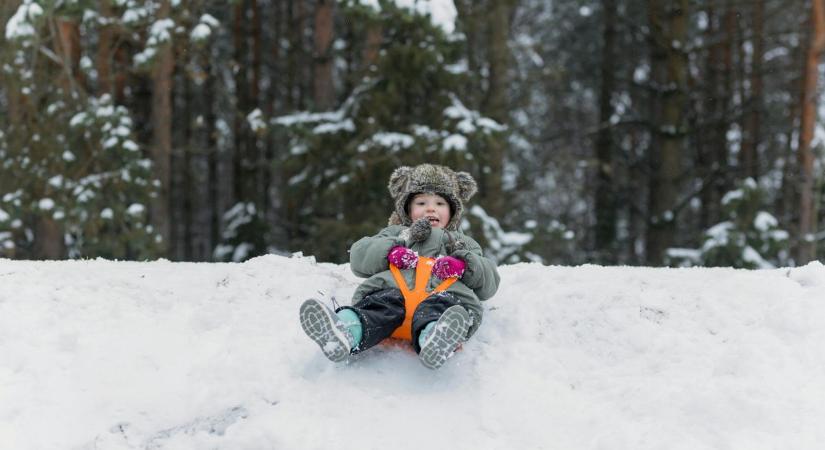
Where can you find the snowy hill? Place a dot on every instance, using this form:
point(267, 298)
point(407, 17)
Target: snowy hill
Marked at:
point(117, 355)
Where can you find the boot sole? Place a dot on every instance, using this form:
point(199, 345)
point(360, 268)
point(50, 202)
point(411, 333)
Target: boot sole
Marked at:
point(442, 342)
point(318, 323)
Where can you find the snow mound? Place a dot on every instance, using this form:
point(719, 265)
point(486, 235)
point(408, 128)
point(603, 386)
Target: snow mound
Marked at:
point(123, 355)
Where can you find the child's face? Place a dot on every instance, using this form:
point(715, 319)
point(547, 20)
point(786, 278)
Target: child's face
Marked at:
point(431, 206)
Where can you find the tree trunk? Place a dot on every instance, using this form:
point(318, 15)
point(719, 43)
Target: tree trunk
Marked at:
point(323, 89)
point(68, 48)
point(753, 115)
point(188, 174)
point(295, 55)
point(496, 105)
point(806, 247)
point(605, 203)
point(668, 25)
point(713, 165)
point(255, 144)
point(162, 132)
point(375, 36)
point(48, 242)
point(105, 51)
point(786, 203)
point(243, 158)
point(469, 16)
point(213, 158)
point(257, 49)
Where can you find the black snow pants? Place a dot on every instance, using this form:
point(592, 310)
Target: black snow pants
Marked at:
point(381, 312)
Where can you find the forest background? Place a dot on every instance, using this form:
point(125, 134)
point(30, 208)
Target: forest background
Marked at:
point(668, 132)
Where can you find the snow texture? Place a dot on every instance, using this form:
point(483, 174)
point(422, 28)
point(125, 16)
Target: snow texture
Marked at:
point(124, 355)
point(764, 221)
point(442, 13)
point(21, 23)
point(390, 140)
point(201, 32)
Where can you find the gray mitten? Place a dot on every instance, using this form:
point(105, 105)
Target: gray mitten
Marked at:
point(454, 242)
point(420, 230)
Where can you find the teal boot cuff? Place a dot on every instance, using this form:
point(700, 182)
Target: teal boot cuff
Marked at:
point(350, 320)
point(425, 332)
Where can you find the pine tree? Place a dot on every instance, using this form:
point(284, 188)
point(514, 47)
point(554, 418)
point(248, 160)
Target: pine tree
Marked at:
point(403, 110)
point(750, 237)
point(73, 181)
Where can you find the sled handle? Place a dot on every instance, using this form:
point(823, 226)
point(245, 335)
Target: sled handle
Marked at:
point(412, 298)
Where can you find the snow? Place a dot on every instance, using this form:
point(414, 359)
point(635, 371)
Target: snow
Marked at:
point(159, 32)
point(779, 235)
point(210, 20)
point(764, 221)
point(111, 142)
point(6, 240)
point(256, 121)
point(135, 209)
point(45, 204)
point(77, 119)
point(304, 117)
point(688, 254)
point(334, 127)
point(455, 142)
point(470, 119)
point(750, 255)
point(125, 355)
point(390, 140)
point(20, 24)
point(201, 32)
point(717, 235)
point(442, 13)
point(131, 146)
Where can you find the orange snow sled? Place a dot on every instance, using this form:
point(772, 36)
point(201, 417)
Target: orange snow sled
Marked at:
point(412, 298)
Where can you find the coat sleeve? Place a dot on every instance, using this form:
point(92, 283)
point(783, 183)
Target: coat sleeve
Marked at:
point(368, 256)
point(481, 274)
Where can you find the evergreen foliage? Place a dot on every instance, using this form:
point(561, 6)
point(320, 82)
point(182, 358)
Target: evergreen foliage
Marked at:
point(404, 110)
point(274, 126)
point(750, 237)
point(70, 162)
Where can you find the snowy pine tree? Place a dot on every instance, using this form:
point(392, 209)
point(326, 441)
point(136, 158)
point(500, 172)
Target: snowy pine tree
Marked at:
point(750, 237)
point(73, 180)
point(403, 109)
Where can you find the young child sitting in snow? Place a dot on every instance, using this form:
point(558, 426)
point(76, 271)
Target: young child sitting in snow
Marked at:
point(429, 202)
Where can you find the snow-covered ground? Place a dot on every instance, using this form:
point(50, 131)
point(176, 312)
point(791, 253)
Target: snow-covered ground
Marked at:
point(121, 355)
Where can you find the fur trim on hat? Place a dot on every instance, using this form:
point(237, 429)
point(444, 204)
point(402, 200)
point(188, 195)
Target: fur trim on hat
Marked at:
point(455, 187)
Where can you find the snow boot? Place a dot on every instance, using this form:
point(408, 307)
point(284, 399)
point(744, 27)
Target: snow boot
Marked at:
point(324, 327)
point(449, 331)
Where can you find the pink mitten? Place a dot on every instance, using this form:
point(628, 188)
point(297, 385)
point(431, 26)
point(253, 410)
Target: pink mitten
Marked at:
point(448, 267)
point(402, 257)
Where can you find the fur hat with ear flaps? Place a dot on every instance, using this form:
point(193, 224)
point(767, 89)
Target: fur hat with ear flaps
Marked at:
point(455, 187)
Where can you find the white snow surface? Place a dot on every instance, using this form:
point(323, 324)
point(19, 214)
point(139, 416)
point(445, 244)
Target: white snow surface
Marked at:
point(124, 355)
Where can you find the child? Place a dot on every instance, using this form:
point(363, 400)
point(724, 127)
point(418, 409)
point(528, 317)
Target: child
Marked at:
point(429, 202)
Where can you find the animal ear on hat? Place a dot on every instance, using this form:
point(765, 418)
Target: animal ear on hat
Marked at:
point(467, 186)
point(394, 219)
point(399, 180)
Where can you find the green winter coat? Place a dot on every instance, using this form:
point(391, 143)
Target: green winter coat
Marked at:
point(368, 259)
